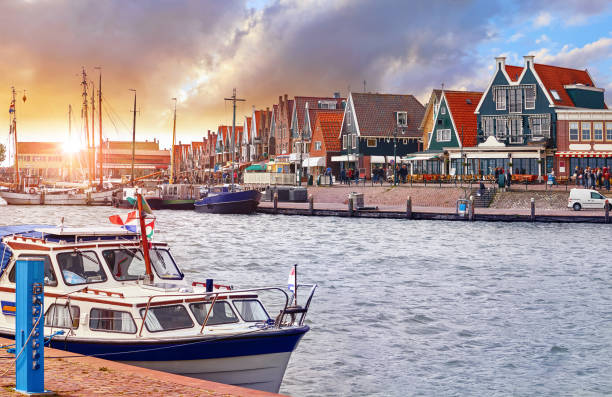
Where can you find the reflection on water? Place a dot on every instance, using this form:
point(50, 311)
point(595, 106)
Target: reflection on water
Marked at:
point(413, 307)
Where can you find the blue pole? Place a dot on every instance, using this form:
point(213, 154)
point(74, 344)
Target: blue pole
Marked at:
point(29, 368)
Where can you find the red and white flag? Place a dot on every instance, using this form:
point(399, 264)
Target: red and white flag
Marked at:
point(291, 281)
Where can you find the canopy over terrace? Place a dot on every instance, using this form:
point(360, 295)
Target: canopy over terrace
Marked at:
point(568, 161)
point(425, 162)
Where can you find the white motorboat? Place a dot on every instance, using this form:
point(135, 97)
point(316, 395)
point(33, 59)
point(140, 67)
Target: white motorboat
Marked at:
point(116, 301)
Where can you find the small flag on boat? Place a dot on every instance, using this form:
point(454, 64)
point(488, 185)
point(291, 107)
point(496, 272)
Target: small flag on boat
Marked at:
point(291, 281)
point(145, 205)
point(131, 222)
point(12, 108)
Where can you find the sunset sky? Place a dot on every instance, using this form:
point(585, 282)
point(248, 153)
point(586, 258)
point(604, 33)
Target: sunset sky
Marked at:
point(199, 50)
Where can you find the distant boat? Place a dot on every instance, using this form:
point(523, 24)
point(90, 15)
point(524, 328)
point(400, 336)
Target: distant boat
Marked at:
point(179, 196)
point(229, 199)
point(153, 197)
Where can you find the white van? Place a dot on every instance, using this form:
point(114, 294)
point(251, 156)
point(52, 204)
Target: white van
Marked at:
point(586, 198)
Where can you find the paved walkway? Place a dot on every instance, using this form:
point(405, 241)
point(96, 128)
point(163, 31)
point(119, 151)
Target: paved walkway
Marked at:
point(89, 376)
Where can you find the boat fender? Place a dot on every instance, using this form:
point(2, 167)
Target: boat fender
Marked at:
point(32, 190)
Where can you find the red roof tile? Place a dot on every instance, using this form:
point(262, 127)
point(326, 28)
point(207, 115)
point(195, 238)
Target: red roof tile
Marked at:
point(313, 103)
point(376, 113)
point(514, 72)
point(462, 105)
point(555, 77)
point(328, 123)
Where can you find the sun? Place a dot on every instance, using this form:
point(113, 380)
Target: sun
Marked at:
point(71, 145)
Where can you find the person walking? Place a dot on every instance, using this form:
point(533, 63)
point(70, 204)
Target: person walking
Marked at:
point(592, 179)
point(508, 178)
point(606, 178)
point(501, 180)
point(343, 176)
point(576, 175)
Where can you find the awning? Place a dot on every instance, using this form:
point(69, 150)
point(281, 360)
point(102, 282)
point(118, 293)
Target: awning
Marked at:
point(314, 162)
point(350, 157)
point(422, 157)
point(256, 167)
point(378, 159)
point(583, 154)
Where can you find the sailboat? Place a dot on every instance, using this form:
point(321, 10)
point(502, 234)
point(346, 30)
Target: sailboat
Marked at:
point(177, 196)
point(230, 199)
point(29, 190)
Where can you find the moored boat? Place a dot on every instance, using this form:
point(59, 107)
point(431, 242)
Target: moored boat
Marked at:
point(128, 197)
point(112, 302)
point(179, 196)
point(228, 199)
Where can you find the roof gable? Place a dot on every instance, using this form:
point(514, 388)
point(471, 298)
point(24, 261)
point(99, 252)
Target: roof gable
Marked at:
point(376, 113)
point(328, 124)
point(461, 106)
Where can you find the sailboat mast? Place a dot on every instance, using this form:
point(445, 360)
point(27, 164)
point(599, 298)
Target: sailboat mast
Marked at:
point(92, 153)
point(101, 160)
point(86, 123)
point(70, 142)
point(13, 129)
point(172, 149)
point(234, 100)
point(133, 139)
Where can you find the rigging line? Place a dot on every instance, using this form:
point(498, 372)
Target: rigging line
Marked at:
point(112, 120)
point(112, 109)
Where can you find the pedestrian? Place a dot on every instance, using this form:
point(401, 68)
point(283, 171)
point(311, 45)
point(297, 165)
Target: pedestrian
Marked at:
point(404, 173)
point(593, 179)
point(328, 172)
point(606, 178)
point(501, 180)
point(496, 173)
point(576, 174)
point(343, 176)
point(509, 178)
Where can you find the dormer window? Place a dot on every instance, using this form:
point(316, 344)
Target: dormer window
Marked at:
point(327, 104)
point(402, 119)
point(442, 110)
point(555, 95)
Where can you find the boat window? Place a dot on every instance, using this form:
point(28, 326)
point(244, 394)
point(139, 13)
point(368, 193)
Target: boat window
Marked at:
point(251, 310)
point(222, 313)
point(164, 264)
point(111, 320)
point(125, 263)
point(166, 318)
point(62, 316)
point(80, 267)
point(50, 279)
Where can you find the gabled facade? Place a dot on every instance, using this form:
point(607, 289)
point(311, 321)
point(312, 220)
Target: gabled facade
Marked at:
point(455, 123)
point(245, 143)
point(283, 138)
point(374, 123)
point(260, 134)
point(427, 123)
point(273, 132)
point(324, 144)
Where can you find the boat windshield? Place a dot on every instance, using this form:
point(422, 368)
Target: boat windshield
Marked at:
point(164, 264)
point(80, 267)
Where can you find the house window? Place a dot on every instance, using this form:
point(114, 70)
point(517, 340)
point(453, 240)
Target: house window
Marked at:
point(402, 119)
point(573, 132)
point(443, 135)
point(501, 129)
point(317, 145)
point(530, 97)
point(354, 141)
point(500, 100)
point(608, 131)
point(516, 130)
point(348, 118)
point(487, 126)
point(405, 141)
point(586, 131)
point(327, 104)
point(540, 127)
point(442, 110)
point(598, 131)
point(514, 101)
point(371, 142)
point(555, 95)
point(344, 142)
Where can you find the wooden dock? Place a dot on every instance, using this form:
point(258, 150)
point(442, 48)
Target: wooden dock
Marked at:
point(436, 213)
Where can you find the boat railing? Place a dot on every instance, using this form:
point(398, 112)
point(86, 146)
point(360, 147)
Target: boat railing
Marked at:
point(293, 311)
point(212, 297)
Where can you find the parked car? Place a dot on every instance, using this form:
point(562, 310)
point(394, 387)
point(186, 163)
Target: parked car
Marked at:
point(587, 198)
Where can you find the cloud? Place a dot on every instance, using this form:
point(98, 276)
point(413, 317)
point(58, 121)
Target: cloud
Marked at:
point(543, 38)
point(576, 57)
point(516, 37)
point(544, 18)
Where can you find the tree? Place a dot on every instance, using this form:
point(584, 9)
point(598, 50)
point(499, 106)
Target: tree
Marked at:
point(2, 153)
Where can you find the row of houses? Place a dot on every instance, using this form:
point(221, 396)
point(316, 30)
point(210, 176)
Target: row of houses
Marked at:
point(530, 119)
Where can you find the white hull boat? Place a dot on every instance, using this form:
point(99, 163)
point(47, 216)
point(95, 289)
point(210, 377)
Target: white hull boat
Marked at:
point(110, 298)
point(41, 197)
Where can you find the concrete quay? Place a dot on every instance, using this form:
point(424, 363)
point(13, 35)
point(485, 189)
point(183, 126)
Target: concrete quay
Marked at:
point(73, 375)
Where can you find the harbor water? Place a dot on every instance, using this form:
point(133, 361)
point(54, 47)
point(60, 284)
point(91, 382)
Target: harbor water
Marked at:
point(412, 308)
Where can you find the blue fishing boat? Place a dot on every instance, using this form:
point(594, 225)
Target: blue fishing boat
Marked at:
point(228, 199)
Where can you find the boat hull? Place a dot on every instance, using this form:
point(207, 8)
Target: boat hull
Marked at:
point(99, 198)
point(244, 202)
point(256, 359)
point(178, 204)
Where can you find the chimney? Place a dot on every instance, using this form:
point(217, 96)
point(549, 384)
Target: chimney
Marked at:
point(280, 100)
point(336, 95)
point(286, 98)
point(500, 62)
point(528, 60)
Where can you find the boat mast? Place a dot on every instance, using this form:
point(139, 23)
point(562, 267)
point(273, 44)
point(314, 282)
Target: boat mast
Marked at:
point(13, 129)
point(70, 142)
point(172, 149)
point(100, 127)
point(234, 100)
point(92, 153)
point(84, 115)
point(133, 139)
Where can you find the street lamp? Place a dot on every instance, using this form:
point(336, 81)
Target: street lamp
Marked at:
point(395, 157)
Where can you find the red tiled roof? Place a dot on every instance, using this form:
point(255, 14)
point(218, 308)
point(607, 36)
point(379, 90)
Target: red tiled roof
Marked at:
point(40, 147)
point(329, 123)
point(312, 115)
point(313, 103)
point(376, 113)
point(514, 72)
point(462, 105)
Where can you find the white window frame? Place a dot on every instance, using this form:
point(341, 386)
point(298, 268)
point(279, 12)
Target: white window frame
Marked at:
point(443, 135)
point(574, 125)
point(530, 102)
point(515, 101)
point(487, 126)
point(348, 118)
point(516, 138)
point(370, 140)
point(555, 95)
point(344, 140)
point(583, 130)
point(442, 109)
point(596, 129)
point(405, 141)
point(318, 145)
point(501, 133)
point(608, 131)
point(405, 123)
point(500, 99)
point(354, 141)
